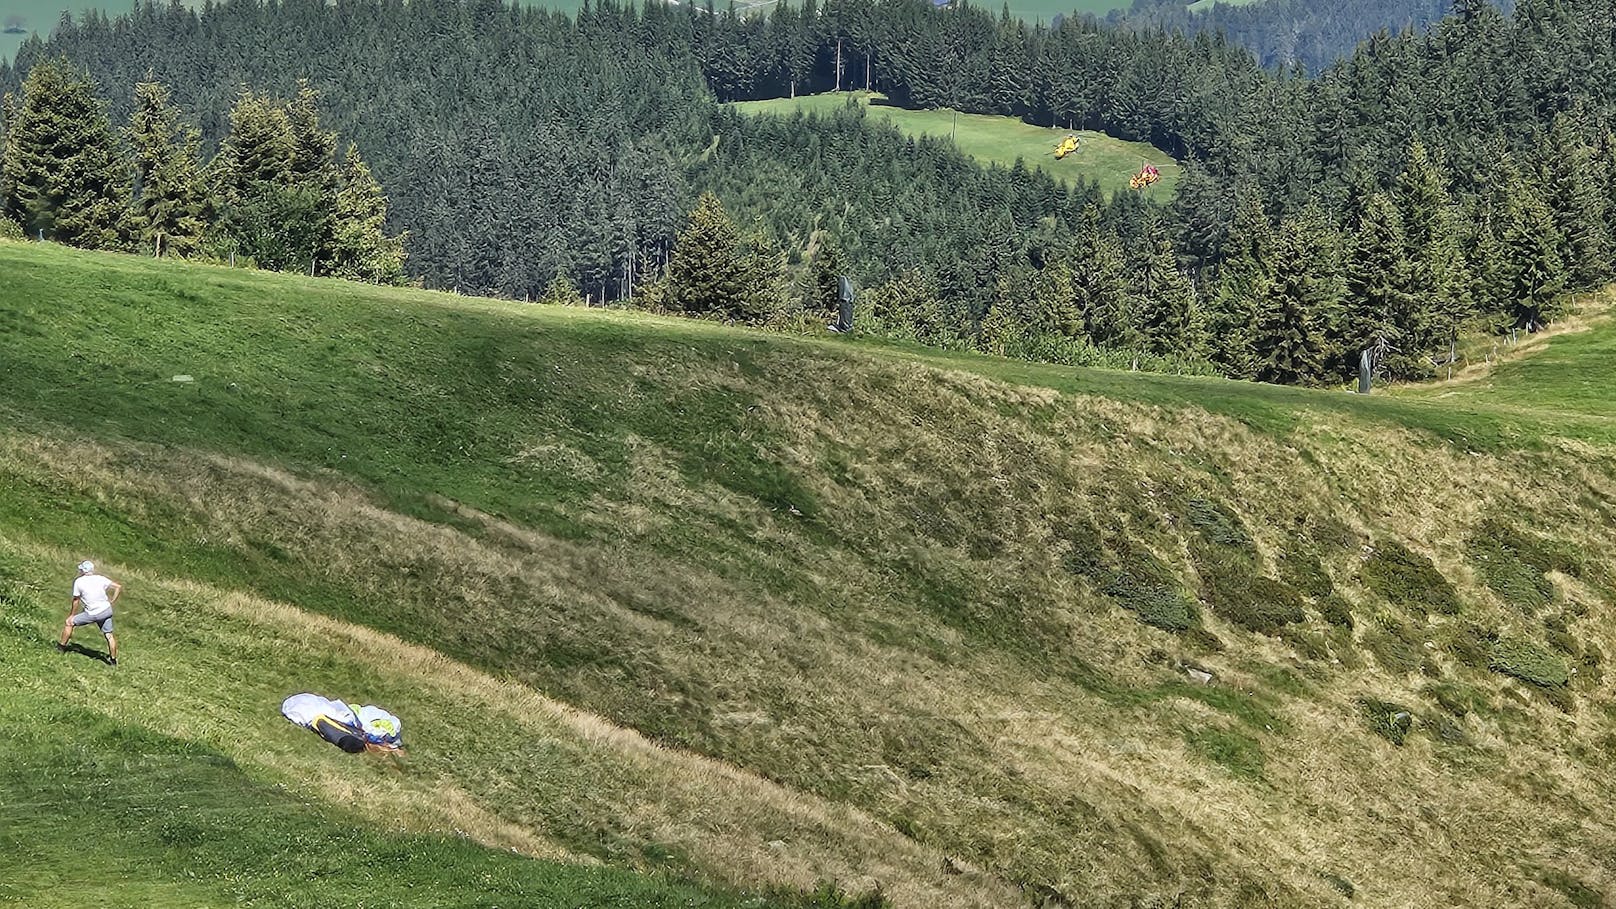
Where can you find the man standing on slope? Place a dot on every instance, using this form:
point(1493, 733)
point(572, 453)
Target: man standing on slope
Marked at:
point(90, 596)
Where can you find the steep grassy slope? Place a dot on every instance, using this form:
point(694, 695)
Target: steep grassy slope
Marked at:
point(1003, 140)
point(1099, 637)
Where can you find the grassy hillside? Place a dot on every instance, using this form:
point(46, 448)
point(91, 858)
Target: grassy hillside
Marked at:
point(980, 633)
point(1004, 140)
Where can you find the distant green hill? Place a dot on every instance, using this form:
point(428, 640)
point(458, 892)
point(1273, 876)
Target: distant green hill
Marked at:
point(674, 611)
point(1002, 140)
point(42, 15)
point(1032, 11)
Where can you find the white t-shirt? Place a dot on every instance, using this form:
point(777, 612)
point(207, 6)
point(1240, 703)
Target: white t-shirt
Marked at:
point(91, 589)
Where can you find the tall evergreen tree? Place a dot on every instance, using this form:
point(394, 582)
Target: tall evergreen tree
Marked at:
point(1166, 301)
point(360, 246)
point(258, 149)
point(909, 306)
point(1574, 190)
point(1296, 310)
point(1535, 271)
point(822, 290)
point(1242, 282)
point(170, 208)
point(265, 214)
point(62, 175)
point(707, 273)
point(763, 263)
point(1100, 283)
point(1432, 229)
point(1380, 305)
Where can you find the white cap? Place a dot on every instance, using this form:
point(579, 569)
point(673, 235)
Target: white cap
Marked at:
point(86, 566)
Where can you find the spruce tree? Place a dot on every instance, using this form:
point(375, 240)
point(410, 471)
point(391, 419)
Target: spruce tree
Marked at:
point(1242, 282)
point(1535, 271)
point(258, 149)
point(1100, 283)
point(1166, 301)
point(765, 281)
point(61, 175)
point(170, 208)
point(561, 292)
point(1431, 228)
point(314, 148)
point(1055, 305)
point(360, 246)
point(707, 273)
point(1378, 274)
point(1574, 190)
point(1294, 313)
point(1003, 331)
point(909, 306)
point(822, 291)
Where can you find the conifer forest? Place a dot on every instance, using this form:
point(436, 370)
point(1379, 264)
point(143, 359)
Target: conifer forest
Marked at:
point(1425, 184)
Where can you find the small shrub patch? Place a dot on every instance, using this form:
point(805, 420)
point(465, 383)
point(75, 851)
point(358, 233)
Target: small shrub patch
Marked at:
point(1303, 571)
point(1446, 729)
point(1408, 580)
point(1395, 650)
point(1456, 699)
point(1392, 722)
point(1470, 644)
point(1511, 566)
point(1339, 884)
point(1231, 585)
point(1329, 532)
point(1563, 642)
point(1312, 645)
point(1528, 662)
point(1216, 524)
point(1336, 611)
point(1591, 666)
point(1130, 575)
point(1085, 554)
point(1580, 894)
point(1144, 585)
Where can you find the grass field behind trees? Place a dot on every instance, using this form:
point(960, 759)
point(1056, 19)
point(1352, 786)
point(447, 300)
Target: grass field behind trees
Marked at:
point(1002, 141)
point(916, 606)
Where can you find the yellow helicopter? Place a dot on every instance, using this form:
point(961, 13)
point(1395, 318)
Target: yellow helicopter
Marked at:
point(1066, 147)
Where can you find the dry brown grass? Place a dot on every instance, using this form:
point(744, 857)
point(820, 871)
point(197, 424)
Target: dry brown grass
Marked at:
point(868, 705)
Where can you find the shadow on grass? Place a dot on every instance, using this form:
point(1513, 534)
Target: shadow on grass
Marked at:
point(99, 656)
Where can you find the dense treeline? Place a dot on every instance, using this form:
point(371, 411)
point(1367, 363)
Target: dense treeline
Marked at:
point(1426, 183)
point(278, 193)
point(1285, 33)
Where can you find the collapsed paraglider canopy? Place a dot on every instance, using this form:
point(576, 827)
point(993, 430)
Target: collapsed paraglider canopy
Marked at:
point(1065, 147)
point(1146, 176)
point(351, 729)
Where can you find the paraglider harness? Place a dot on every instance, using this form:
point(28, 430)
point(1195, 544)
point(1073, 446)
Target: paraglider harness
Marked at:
point(369, 727)
point(340, 734)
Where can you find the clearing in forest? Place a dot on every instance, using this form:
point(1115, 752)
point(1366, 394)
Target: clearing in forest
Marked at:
point(1001, 140)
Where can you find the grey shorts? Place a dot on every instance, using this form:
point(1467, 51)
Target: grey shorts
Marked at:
point(84, 618)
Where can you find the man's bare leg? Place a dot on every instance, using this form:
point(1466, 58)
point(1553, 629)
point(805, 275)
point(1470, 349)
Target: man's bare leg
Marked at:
point(112, 644)
point(67, 632)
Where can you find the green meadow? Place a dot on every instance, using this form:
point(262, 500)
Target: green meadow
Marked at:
point(1003, 140)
